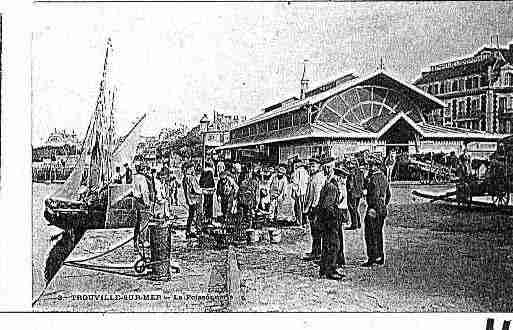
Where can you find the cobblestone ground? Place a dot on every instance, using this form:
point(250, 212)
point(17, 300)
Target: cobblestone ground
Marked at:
point(439, 258)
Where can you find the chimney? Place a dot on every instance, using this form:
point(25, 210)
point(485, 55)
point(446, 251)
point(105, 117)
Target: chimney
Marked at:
point(304, 82)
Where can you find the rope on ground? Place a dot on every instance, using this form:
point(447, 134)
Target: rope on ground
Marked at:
point(108, 251)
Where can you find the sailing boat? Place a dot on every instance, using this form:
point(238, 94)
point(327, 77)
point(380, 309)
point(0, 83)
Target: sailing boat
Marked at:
point(89, 198)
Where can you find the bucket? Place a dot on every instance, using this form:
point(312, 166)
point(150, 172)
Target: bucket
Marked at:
point(274, 235)
point(252, 236)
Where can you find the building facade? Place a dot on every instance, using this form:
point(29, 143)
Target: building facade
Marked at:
point(350, 114)
point(218, 129)
point(477, 90)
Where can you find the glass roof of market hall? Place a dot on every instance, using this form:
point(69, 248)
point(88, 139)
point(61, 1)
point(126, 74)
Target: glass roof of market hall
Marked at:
point(349, 107)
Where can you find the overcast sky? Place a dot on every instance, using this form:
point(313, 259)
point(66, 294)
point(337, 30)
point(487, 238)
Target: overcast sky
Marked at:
point(183, 60)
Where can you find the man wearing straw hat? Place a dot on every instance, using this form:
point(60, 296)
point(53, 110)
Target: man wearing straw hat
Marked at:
point(313, 191)
point(378, 197)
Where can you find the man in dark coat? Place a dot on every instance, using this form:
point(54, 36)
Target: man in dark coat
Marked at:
point(329, 219)
point(354, 194)
point(193, 198)
point(378, 197)
point(208, 185)
point(128, 174)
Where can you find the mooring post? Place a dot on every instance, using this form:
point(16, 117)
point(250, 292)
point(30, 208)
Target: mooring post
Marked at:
point(160, 245)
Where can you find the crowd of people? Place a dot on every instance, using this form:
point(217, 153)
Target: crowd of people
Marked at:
point(326, 196)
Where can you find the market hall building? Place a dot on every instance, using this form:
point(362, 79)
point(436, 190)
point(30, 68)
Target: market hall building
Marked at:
point(350, 114)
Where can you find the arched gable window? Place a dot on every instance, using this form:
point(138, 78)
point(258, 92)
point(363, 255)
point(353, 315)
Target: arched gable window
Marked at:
point(361, 103)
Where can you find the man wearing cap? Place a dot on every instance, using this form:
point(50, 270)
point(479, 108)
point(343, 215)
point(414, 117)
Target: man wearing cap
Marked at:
point(329, 219)
point(226, 193)
point(313, 190)
point(342, 173)
point(208, 185)
point(142, 203)
point(300, 180)
point(378, 197)
point(193, 194)
point(354, 194)
point(277, 191)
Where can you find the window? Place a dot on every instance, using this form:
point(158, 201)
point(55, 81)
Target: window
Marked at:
point(475, 82)
point(435, 89)
point(455, 85)
point(461, 85)
point(448, 86)
point(273, 124)
point(468, 83)
point(442, 87)
point(461, 108)
point(502, 104)
point(474, 107)
point(253, 130)
point(508, 79)
point(285, 120)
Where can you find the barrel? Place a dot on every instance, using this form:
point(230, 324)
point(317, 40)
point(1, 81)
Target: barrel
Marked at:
point(252, 236)
point(274, 235)
point(160, 247)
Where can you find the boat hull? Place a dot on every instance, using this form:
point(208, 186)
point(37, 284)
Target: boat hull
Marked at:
point(75, 219)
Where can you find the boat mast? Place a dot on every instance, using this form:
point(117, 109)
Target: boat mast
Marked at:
point(100, 132)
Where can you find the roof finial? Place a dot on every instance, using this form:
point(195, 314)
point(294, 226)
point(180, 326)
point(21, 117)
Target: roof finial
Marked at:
point(304, 81)
point(381, 65)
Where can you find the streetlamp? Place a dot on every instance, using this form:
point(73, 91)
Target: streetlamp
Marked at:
point(204, 128)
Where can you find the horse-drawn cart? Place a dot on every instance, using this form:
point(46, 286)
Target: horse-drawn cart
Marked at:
point(431, 173)
point(497, 183)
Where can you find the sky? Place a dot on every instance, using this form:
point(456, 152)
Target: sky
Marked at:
point(182, 60)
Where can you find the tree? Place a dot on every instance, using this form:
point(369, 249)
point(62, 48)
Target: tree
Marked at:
point(189, 145)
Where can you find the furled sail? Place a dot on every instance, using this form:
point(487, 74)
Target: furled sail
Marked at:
point(126, 149)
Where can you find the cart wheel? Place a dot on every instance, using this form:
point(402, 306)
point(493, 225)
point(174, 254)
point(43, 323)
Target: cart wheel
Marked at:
point(500, 198)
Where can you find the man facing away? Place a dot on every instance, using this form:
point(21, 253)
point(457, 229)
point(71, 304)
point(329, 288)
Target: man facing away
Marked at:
point(118, 178)
point(277, 191)
point(313, 191)
point(378, 197)
point(300, 178)
point(193, 194)
point(330, 222)
point(354, 194)
point(208, 185)
point(128, 174)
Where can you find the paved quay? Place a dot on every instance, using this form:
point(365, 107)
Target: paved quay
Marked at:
point(200, 286)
